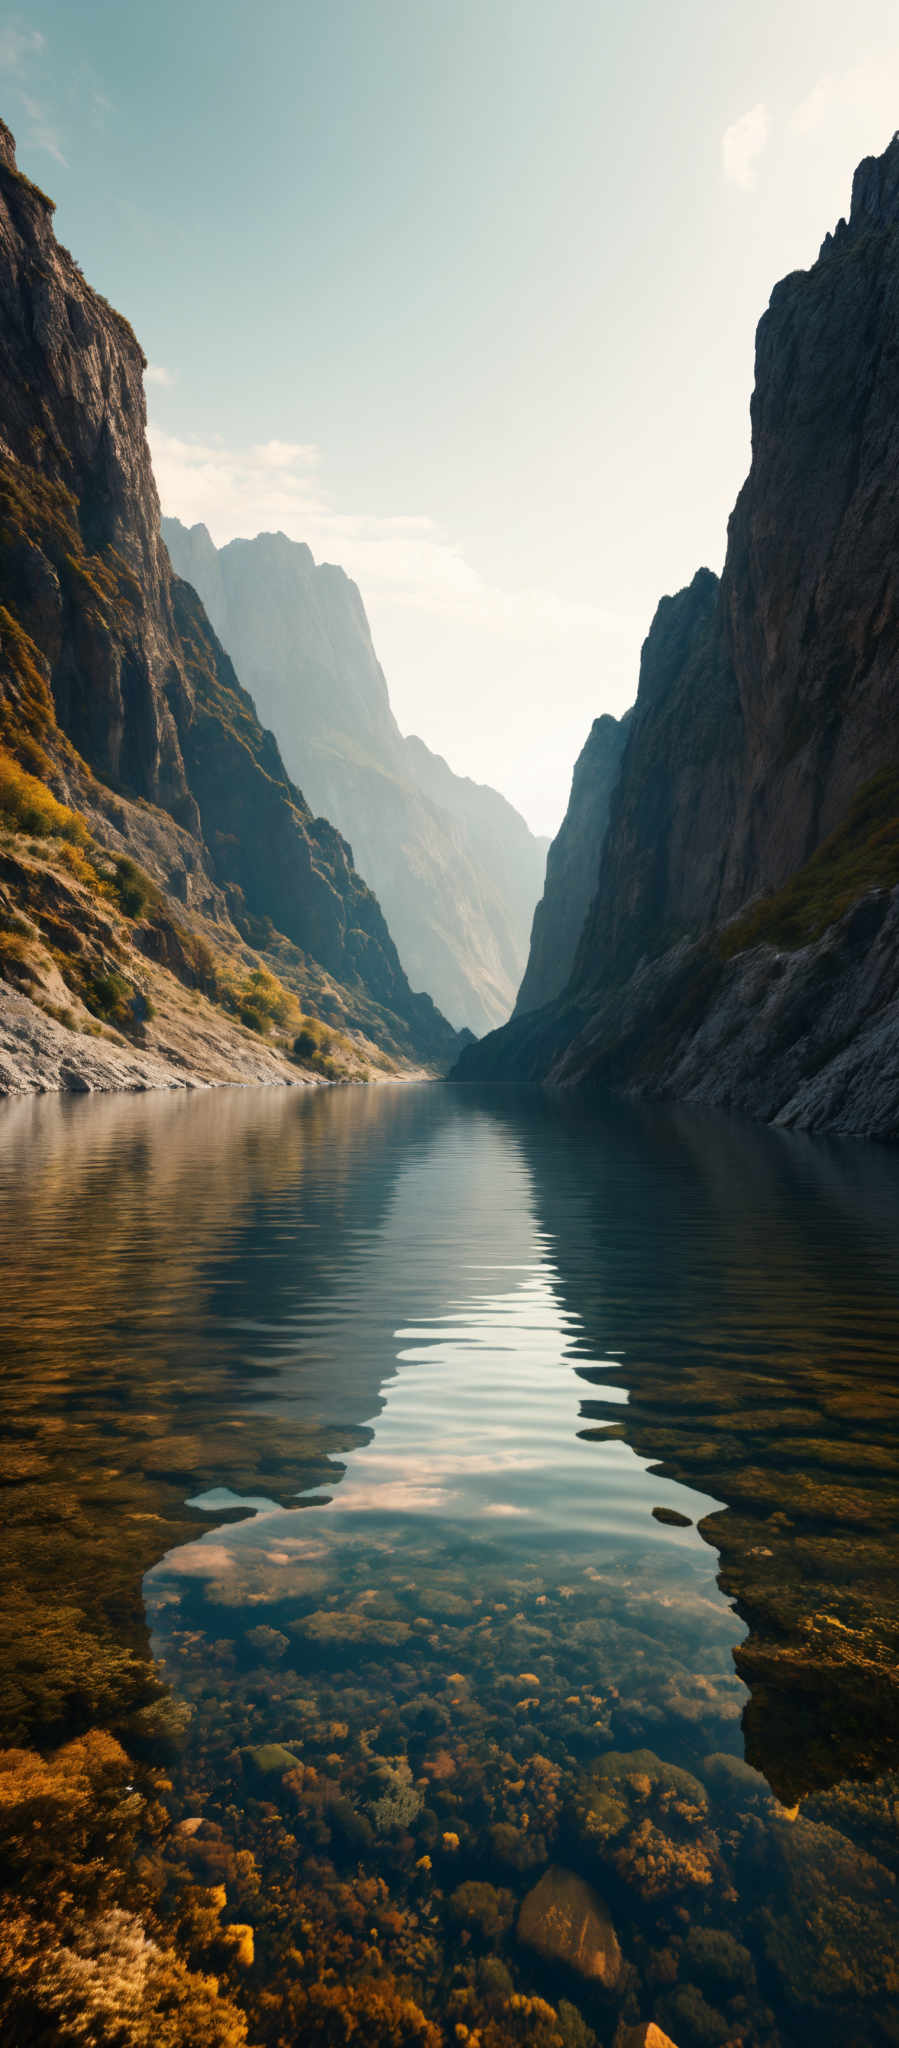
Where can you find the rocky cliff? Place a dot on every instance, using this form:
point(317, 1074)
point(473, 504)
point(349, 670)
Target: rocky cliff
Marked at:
point(120, 708)
point(742, 946)
point(455, 867)
point(572, 865)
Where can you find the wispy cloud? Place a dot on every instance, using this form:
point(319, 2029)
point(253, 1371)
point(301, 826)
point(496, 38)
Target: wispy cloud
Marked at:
point(43, 133)
point(23, 52)
point(156, 373)
point(741, 146)
point(18, 45)
point(275, 486)
point(286, 454)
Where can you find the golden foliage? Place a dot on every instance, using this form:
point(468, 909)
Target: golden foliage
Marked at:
point(102, 1979)
point(27, 805)
point(373, 2013)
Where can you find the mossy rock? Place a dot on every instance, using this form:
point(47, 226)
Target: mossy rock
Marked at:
point(272, 1759)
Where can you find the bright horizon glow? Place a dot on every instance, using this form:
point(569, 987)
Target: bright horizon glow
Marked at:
point(465, 299)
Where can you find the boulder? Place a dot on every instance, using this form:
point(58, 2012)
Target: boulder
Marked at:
point(273, 1759)
point(646, 2035)
point(565, 1921)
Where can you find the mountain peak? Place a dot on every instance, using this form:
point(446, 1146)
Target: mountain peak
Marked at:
point(875, 198)
point(875, 189)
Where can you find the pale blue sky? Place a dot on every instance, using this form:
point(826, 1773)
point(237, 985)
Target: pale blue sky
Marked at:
point(464, 295)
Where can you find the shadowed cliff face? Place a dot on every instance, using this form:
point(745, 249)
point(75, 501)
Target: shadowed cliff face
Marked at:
point(572, 865)
point(111, 678)
point(453, 864)
point(742, 946)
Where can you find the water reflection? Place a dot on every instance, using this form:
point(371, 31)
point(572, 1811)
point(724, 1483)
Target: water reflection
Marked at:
point(365, 1400)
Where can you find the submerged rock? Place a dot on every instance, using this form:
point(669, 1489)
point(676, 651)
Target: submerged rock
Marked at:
point(564, 1919)
point(268, 1643)
point(672, 1518)
point(272, 1759)
point(646, 2035)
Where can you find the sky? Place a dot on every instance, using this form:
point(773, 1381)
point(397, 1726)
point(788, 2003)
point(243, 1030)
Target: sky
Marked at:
point(462, 293)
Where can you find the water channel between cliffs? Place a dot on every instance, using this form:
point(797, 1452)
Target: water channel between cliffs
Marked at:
point(352, 1409)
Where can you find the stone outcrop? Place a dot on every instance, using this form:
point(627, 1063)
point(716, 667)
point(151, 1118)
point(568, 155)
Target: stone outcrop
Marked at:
point(566, 1922)
point(454, 865)
point(742, 946)
point(113, 686)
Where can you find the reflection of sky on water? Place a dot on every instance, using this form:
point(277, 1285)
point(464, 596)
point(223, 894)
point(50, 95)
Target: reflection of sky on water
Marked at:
point(482, 1422)
point(478, 1434)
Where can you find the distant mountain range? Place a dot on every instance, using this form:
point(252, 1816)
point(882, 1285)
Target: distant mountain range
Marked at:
point(454, 867)
point(730, 860)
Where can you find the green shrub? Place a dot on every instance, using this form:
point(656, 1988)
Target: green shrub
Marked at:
point(133, 890)
point(108, 995)
point(327, 1052)
point(310, 1042)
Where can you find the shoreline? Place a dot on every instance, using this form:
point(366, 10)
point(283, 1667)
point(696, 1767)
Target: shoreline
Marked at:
point(41, 1056)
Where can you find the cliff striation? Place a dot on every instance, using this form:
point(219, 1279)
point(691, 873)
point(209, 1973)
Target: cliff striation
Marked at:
point(125, 736)
point(742, 945)
point(453, 864)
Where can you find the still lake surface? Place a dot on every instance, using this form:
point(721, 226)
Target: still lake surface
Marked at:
point(352, 1409)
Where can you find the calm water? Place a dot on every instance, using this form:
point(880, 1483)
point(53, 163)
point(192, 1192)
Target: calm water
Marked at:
point(353, 1409)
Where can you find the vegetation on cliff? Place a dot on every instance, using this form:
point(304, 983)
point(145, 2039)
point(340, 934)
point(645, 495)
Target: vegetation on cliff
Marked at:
point(117, 700)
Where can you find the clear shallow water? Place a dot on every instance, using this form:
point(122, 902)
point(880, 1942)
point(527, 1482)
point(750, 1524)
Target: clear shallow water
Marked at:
point(447, 1643)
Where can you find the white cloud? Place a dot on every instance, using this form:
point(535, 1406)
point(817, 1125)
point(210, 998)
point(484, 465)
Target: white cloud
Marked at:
point(156, 373)
point(43, 134)
point(18, 45)
point(741, 146)
point(286, 454)
point(273, 486)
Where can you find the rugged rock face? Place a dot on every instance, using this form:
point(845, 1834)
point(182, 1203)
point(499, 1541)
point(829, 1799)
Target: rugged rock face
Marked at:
point(742, 946)
point(572, 865)
point(113, 686)
point(453, 864)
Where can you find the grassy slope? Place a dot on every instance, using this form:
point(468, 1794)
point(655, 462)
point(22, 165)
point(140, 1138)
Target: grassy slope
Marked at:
point(861, 854)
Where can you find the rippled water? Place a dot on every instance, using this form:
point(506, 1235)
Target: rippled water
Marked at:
point(361, 1403)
